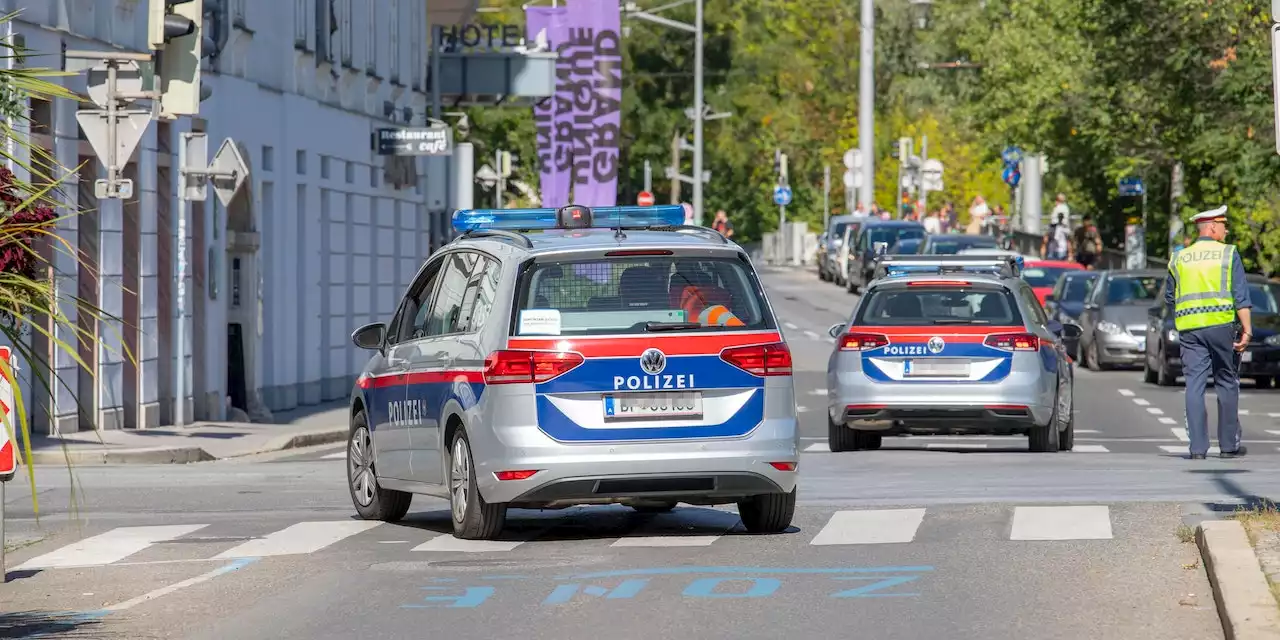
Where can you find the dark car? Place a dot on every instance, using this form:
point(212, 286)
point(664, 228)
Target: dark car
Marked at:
point(906, 246)
point(1066, 302)
point(1114, 320)
point(1260, 360)
point(947, 244)
point(862, 255)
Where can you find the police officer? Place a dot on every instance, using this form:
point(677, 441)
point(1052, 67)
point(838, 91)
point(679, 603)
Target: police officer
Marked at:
point(1207, 289)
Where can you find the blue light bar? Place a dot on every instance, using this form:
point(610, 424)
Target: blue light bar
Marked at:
point(465, 220)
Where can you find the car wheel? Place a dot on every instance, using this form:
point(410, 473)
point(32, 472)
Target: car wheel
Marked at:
point(768, 513)
point(372, 502)
point(1046, 439)
point(473, 518)
point(839, 437)
point(654, 508)
point(1263, 382)
point(1149, 375)
point(1067, 434)
point(1091, 357)
point(1164, 377)
point(866, 440)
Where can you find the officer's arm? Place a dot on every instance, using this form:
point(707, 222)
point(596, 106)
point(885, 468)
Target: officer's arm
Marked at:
point(1240, 292)
point(1170, 287)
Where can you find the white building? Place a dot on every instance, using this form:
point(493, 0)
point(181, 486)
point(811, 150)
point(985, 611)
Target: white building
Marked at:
point(318, 242)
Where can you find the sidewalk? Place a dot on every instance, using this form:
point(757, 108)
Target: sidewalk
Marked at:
point(199, 442)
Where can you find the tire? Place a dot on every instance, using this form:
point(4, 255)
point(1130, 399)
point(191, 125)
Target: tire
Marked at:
point(654, 508)
point(473, 518)
point(1164, 377)
point(1149, 375)
point(768, 513)
point(371, 501)
point(866, 440)
point(1067, 435)
point(1263, 382)
point(1046, 439)
point(1091, 357)
point(839, 437)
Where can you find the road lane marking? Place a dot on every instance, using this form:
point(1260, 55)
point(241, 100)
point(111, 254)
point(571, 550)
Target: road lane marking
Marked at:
point(801, 409)
point(947, 445)
point(831, 340)
point(335, 456)
point(1154, 411)
point(1175, 449)
point(1090, 448)
point(818, 392)
point(1243, 412)
point(880, 526)
point(1087, 431)
point(1168, 420)
point(1061, 523)
point(810, 335)
point(1140, 402)
point(164, 591)
point(790, 326)
point(447, 542)
point(1125, 392)
point(665, 541)
point(818, 446)
point(105, 548)
point(303, 537)
point(1273, 415)
point(1181, 434)
point(1274, 432)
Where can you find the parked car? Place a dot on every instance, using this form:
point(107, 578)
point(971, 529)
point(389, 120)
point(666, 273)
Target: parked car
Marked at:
point(861, 261)
point(1066, 302)
point(1259, 362)
point(949, 244)
point(1114, 320)
point(906, 246)
point(837, 228)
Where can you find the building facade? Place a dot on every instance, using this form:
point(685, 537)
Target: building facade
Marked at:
point(323, 237)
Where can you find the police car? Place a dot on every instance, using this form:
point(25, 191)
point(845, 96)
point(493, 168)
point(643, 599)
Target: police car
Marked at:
point(949, 345)
point(549, 358)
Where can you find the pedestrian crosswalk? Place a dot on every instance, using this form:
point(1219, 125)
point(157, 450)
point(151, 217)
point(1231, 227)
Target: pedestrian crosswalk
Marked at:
point(615, 528)
point(1016, 444)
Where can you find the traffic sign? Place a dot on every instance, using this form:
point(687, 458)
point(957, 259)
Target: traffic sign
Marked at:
point(132, 125)
point(227, 171)
point(931, 174)
point(1131, 186)
point(8, 450)
point(852, 160)
point(1011, 176)
point(128, 80)
point(852, 180)
point(1011, 155)
point(782, 195)
point(644, 199)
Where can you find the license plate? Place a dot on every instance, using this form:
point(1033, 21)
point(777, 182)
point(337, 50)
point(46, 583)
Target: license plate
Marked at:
point(936, 368)
point(1246, 356)
point(687, 404)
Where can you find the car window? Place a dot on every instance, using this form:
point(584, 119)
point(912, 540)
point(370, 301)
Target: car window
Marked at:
point(447, 305)
point(938, 305)
point(1043, 276)
point(1033, 303)
point(623, 295)
point(417, 305)
point(1076, 289)
point(487, 274)
point(1264, 298)
point(947, 246)
point(892, 235)
point(1133, 289)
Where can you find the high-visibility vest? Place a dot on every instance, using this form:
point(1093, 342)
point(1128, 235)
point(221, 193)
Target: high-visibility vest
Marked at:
point(1202, 296)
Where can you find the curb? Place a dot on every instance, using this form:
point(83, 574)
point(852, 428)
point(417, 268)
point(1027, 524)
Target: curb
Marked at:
point(299, 440)
point(157, 455)
point(1245, 605)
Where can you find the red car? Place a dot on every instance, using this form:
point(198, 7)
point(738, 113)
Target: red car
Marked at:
point(1042, 275)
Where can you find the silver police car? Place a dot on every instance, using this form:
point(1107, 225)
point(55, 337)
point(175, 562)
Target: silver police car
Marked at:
point(616, 356)
point(949, 345)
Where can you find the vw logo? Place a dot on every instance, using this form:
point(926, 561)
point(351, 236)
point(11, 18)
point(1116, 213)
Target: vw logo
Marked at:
point(653, 361)
point(936, 345)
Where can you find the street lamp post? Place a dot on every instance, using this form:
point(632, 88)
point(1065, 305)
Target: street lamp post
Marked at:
point(867, 102)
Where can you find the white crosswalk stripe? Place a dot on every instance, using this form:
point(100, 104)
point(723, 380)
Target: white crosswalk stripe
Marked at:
point(304, 537)
point(112, 546)
point(818, 447)
point(1181, 434)
point(458, 545)
point(881, 526)
point(1213, 451)
point(1089, 448)
point(1061, 523)
point(335, 456)
point(1125, 392)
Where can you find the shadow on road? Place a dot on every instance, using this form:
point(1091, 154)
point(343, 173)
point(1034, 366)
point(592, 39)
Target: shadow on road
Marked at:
point(594, 523)
point(1247, 499)
point(51, 624)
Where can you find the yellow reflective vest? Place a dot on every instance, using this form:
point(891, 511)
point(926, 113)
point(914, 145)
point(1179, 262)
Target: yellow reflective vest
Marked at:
point(1202, 297)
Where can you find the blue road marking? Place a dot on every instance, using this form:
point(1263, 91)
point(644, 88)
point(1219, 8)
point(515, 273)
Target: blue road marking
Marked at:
point(706, 588)
point(471, 598)
point(565, 592)
point(671, 571)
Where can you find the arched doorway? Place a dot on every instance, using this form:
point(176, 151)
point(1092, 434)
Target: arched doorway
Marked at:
point(244, 324)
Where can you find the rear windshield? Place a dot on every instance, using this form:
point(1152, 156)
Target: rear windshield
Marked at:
point(1077, 289)
point(946, 246)
point(636, 295)
point(906, 245)
point(1264, 298)
point(1133, 289)
point(892, 234)
point(1043, 276)
point(838, 232)
point(928, 306)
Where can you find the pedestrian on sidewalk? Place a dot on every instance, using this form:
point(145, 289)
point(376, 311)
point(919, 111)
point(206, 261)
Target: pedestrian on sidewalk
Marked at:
point(1207, 289)
point(1056, 244)
point(1087, 243)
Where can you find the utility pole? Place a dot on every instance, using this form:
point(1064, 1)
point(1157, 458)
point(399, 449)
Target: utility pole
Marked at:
point(866, 102)
point(648, 177)
point(698, 109)
point(673, 172)
point(826, 196)
point(924, 192)
point(782, 209)
point(502, 167)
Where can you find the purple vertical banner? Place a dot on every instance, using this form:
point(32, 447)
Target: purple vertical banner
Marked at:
point(595, 67)
point(553, 118)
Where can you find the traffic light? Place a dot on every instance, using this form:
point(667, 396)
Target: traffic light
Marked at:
point(175, 29)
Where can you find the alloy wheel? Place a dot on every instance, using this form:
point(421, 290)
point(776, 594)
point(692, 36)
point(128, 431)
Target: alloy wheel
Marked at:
point(460, 479)
point(360, 467)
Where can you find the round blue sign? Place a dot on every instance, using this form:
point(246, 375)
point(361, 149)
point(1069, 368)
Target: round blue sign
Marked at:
point(782, 196)
point(1011, 176)
point(1011, 155)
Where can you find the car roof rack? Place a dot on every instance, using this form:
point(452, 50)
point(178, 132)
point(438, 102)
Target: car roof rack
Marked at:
point(518, 238)
point(904, 265)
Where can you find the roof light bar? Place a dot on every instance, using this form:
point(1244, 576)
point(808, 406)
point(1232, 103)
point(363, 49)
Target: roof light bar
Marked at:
point(1008, 266)
point(465, 220)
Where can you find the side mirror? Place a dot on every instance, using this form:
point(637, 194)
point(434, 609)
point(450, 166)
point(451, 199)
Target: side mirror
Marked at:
point(836, 330)
point(1154, 312)
point(370, 336)
point(1072, 331)
point(1091, 307)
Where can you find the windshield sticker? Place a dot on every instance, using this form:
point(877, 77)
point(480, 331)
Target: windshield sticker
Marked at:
point(540, 322)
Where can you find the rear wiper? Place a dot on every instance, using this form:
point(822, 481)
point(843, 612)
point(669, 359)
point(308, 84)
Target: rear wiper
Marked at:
point(670, 326)
point(962, 321)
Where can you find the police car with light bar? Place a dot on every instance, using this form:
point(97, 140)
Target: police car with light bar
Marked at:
point(548, 358)
point(950, 345)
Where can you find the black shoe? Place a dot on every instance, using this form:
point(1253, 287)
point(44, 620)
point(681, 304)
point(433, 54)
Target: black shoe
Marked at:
point(1238, 453)
point(1197, 456)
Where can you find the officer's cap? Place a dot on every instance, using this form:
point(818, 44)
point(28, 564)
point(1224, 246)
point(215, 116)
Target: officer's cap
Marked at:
point(1213, 215)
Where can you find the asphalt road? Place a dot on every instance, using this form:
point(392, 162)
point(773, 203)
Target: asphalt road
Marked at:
point(928, 537)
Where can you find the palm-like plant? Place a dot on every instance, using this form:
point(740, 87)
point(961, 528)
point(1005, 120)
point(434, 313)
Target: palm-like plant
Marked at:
point(29, 300)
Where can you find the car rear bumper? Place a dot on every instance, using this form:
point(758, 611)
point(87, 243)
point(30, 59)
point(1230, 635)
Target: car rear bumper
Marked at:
point(711, 471)
point(1017, 402)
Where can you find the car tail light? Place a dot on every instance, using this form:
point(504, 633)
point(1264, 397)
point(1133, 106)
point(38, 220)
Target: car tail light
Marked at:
point(1013, 341)
point(514, 475)
point(783, 466)
point(760, 359)
point(516, 367)
point(862, 341)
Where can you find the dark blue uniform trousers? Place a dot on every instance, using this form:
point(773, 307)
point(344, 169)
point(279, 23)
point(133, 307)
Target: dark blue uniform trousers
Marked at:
point(1208, 351)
